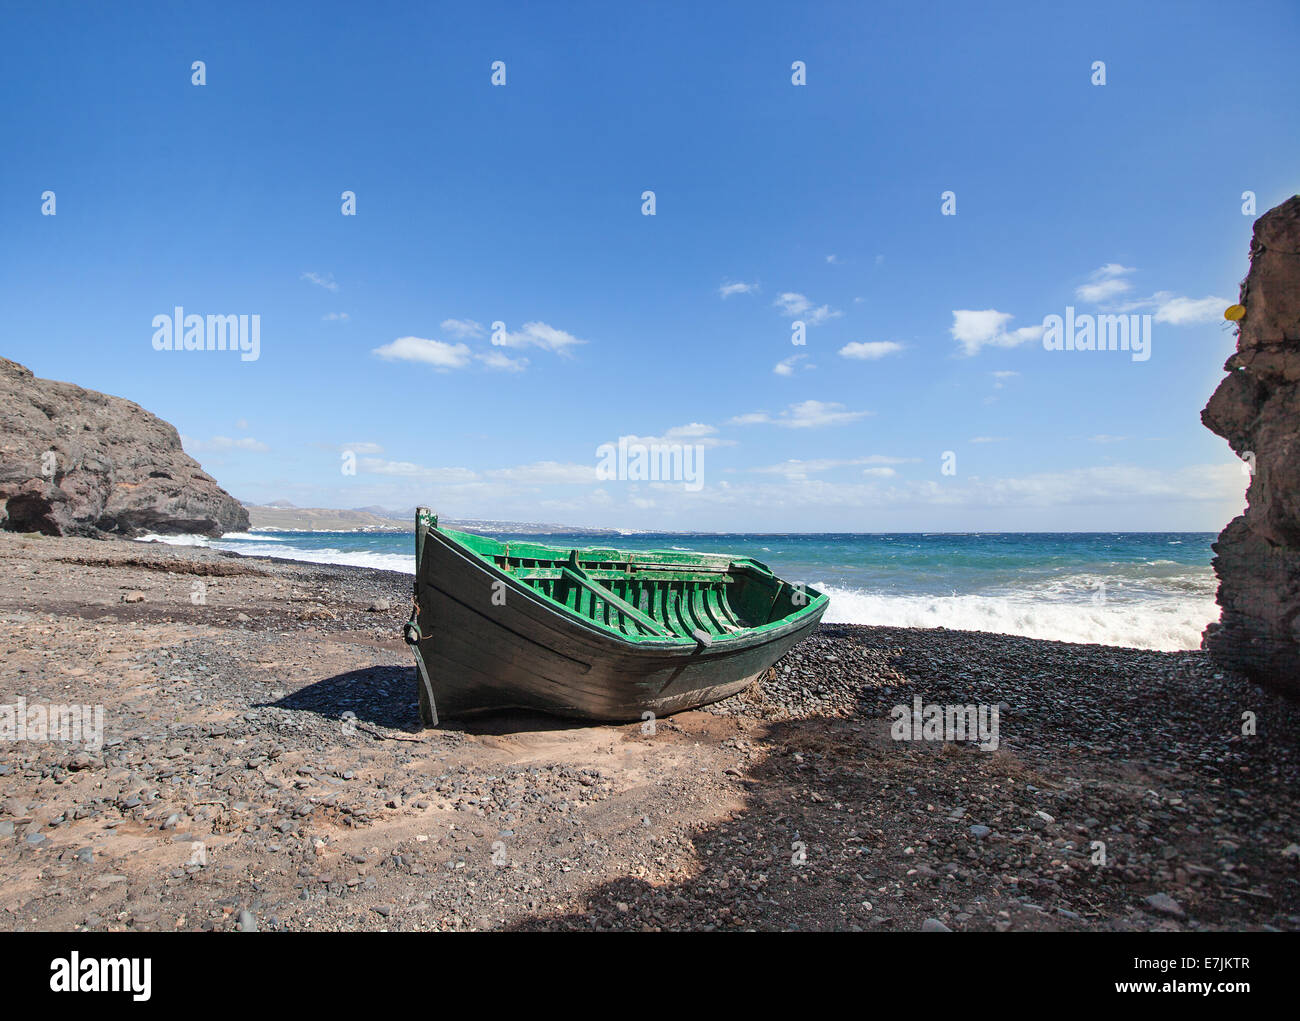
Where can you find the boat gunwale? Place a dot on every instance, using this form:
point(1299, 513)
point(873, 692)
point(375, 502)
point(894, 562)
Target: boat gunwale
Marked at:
point(756, 635)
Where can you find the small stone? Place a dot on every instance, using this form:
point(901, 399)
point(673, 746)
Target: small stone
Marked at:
point(979, 832)
point(133, 597)
point(1163, 904)
point(934, 925)
point(247, 923)
point(379, 606)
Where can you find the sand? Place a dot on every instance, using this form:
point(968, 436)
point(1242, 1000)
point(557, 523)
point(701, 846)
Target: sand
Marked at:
point(263, 766)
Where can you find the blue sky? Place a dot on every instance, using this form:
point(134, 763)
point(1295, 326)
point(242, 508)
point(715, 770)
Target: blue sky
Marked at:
point(522, 204)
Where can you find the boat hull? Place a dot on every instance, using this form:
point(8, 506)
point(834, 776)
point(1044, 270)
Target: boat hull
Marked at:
point(489, 642)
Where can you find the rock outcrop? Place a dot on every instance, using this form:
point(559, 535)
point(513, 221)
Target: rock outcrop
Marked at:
point(1257, 410)
point(77, 462)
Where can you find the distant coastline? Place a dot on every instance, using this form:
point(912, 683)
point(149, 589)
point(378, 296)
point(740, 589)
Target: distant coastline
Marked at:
point(282, 516)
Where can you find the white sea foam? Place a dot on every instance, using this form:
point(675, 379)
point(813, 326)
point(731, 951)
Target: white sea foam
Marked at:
point(176, 540)
point(1167, 623)
point(403, 562)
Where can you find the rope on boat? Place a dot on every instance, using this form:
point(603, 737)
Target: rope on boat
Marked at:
point(413, 628)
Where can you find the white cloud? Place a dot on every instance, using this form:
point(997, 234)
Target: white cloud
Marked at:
point(884, 473)
point(501, 361)
point(547, 473)
point(331, 317)
point(797, 306)
point(833, 259)
point(363, 447)
point(792, 304)
point(987, 328)
point(822, 314)
point(495, 480)
point(462, 328)
point(804, 415)
point(785, 367)
point(1105, 484)
point(693, 433)
point(867, 350)
point(1108, 486)
point(1177, 310)
point(728, 289)
point(1106, 438)
point(243, 443)
point(326, 281)
point(219, 443)
point(441, 355)
point(405, 469)
point(1182, 311)
point(538, 334)
point(987, 439)
point(1104, 283)
point(796, 469)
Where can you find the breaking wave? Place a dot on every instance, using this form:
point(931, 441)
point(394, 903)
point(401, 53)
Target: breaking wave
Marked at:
point(1168, 623)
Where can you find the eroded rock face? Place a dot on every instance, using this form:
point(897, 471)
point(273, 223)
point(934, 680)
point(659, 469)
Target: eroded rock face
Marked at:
point(77, 462)
point(1257, 410)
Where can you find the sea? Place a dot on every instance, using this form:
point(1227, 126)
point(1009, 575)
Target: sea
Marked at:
point(1145, 590)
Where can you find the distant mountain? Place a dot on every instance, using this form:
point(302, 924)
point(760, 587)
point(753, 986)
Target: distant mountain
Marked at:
point(524, 527)
point(283, 516)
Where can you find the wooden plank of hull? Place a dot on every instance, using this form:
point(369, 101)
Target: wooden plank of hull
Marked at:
point(525, 654)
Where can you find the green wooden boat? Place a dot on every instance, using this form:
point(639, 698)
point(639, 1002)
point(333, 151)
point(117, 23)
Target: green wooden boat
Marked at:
point(599, 634)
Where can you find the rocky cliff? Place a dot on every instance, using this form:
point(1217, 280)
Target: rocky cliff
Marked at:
point(77, 462)
point(1257, 410)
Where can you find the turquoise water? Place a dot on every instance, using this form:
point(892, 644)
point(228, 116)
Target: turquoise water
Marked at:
point(1147, 590)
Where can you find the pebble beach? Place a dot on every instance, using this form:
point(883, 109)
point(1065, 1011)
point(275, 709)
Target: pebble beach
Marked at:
point(262, 766)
